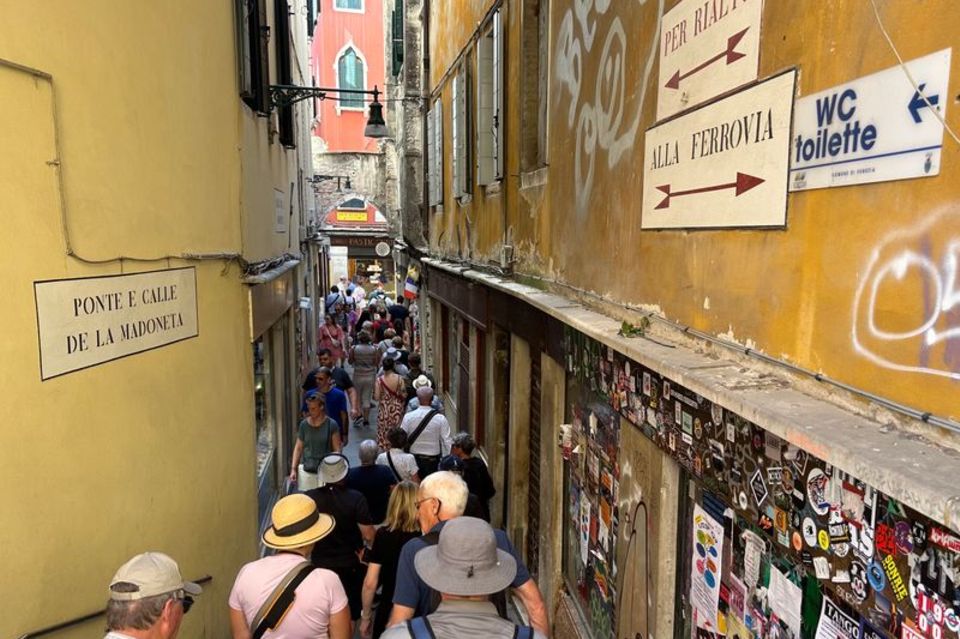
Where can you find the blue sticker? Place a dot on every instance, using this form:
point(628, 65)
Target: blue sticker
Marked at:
point(878, 581)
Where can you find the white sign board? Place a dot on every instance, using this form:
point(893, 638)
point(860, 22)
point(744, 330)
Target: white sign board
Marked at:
point(280, 212)
point(89, 321)
point(724, 164)
point(872, 129)
point(706, 48)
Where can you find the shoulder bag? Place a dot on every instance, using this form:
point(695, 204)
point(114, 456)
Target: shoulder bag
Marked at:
point(274, 609)
point(416, 433)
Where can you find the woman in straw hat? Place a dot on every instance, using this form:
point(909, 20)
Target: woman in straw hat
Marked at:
point(320, 607)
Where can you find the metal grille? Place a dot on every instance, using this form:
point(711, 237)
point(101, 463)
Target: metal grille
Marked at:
point(533, 499)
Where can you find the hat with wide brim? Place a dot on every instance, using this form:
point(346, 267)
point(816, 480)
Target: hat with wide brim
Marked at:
point(466, 560)
point(296, 523)
point(333, 468)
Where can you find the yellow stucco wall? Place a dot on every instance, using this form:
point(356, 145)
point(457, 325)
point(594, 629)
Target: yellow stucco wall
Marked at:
point(156, 450)
point(787, 292)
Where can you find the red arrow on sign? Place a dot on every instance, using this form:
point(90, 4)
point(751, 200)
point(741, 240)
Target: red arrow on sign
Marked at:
point(729, 54)
point(743, 184)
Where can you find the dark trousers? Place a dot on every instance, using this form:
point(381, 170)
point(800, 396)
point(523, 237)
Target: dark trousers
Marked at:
point(352, 579)
point(426, 464)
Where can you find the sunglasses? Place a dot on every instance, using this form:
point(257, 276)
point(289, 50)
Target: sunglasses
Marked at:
point(187, 602)
point(426, 499)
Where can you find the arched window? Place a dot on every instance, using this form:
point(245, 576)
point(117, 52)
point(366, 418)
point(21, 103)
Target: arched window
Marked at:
point(350, 75)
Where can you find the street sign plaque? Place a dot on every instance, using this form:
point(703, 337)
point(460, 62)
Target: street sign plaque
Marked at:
point(724, 164)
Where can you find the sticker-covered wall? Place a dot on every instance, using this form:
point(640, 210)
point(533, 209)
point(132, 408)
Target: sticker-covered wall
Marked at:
point(776, 543)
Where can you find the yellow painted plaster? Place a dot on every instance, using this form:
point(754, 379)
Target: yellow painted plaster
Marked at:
point(791, 291)
point(154, 451)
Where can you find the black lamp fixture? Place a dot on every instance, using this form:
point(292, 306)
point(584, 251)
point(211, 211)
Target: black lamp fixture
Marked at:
point(282, 95)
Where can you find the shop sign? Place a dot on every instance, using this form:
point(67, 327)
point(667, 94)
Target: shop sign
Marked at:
point(89, 321)
point(873, 129)
point(706, 48)
point(355, 241)
point(724, 164)
point(351, 216)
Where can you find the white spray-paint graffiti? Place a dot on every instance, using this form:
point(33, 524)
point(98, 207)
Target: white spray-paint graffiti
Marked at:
point(599, 119)
point(929, 253)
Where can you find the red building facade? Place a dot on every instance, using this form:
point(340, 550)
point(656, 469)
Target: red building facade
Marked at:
point(347, 53)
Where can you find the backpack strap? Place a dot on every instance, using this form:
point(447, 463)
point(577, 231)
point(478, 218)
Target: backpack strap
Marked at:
point(396, 473)
point(522, 632)
point(419, 628)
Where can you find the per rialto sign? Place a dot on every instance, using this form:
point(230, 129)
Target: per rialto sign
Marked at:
point(88, 321)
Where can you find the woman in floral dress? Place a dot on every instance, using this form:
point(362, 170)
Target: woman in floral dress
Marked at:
point(391, 396)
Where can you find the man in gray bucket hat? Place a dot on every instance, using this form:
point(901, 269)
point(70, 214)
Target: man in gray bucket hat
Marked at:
point(465, 567)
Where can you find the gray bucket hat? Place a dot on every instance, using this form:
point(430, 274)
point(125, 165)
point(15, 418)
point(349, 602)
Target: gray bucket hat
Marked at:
point(333, 468)
point(466, 560)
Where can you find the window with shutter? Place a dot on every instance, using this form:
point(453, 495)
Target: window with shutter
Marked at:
point(456, 133)
point(498, 141)
point(398, 23)
point(431, 152)
point(252, 54)
point(438, 156)
point(486, 156)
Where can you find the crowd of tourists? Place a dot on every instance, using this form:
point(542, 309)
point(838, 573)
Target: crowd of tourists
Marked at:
point(399, 545)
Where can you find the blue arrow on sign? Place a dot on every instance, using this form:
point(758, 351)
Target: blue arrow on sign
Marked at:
point(918, 102)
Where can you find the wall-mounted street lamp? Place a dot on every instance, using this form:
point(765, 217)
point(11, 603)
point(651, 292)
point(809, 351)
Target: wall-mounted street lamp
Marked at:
point(282, 95)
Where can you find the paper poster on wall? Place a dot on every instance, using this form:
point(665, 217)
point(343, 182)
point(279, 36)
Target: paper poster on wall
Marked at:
point(705, 566)
point(724, 164)
point(835, 623)
point(785, 598)
point(872, 129)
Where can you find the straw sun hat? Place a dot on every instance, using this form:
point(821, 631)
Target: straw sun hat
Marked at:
point(296, 523)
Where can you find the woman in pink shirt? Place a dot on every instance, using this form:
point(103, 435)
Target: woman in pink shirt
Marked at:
point(319, 609)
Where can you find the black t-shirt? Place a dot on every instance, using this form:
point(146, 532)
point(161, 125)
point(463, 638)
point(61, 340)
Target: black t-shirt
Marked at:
point(374, 482)
point(341, 378)
point(348, 508)
point(479, 482)
point(386, 552)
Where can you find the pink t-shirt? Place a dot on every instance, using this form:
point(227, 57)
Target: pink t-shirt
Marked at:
point(318, 597)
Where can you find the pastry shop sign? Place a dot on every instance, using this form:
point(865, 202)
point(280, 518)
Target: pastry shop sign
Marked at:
point(88, 321)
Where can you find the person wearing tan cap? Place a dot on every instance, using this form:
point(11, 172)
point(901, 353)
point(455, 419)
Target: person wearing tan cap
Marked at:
point(148, 598)
point(284, 596)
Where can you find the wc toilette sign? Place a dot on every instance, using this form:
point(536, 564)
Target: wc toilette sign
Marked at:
point(88, 321)
point(876, 128)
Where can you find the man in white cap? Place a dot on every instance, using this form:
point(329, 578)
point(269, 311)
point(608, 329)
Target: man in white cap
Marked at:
point(148, 598)
point(418, 383)
point(284, 595)
point(465, 567)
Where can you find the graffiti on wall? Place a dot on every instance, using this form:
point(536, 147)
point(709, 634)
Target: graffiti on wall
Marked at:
point(808, 551)
point(606, 117)
point(906, 310)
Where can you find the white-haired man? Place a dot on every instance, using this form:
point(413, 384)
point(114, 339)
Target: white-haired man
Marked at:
point(428, 433)
point(466, 567)
point(443, 496)
point(148, 598)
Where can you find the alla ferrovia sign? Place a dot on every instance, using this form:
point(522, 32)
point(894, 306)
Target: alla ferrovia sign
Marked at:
point(873, 129)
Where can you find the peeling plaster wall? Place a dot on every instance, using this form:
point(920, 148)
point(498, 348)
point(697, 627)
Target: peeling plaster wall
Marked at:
point(798, 294)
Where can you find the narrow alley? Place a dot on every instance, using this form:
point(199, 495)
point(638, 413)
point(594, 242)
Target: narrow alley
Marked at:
point(568, 319)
